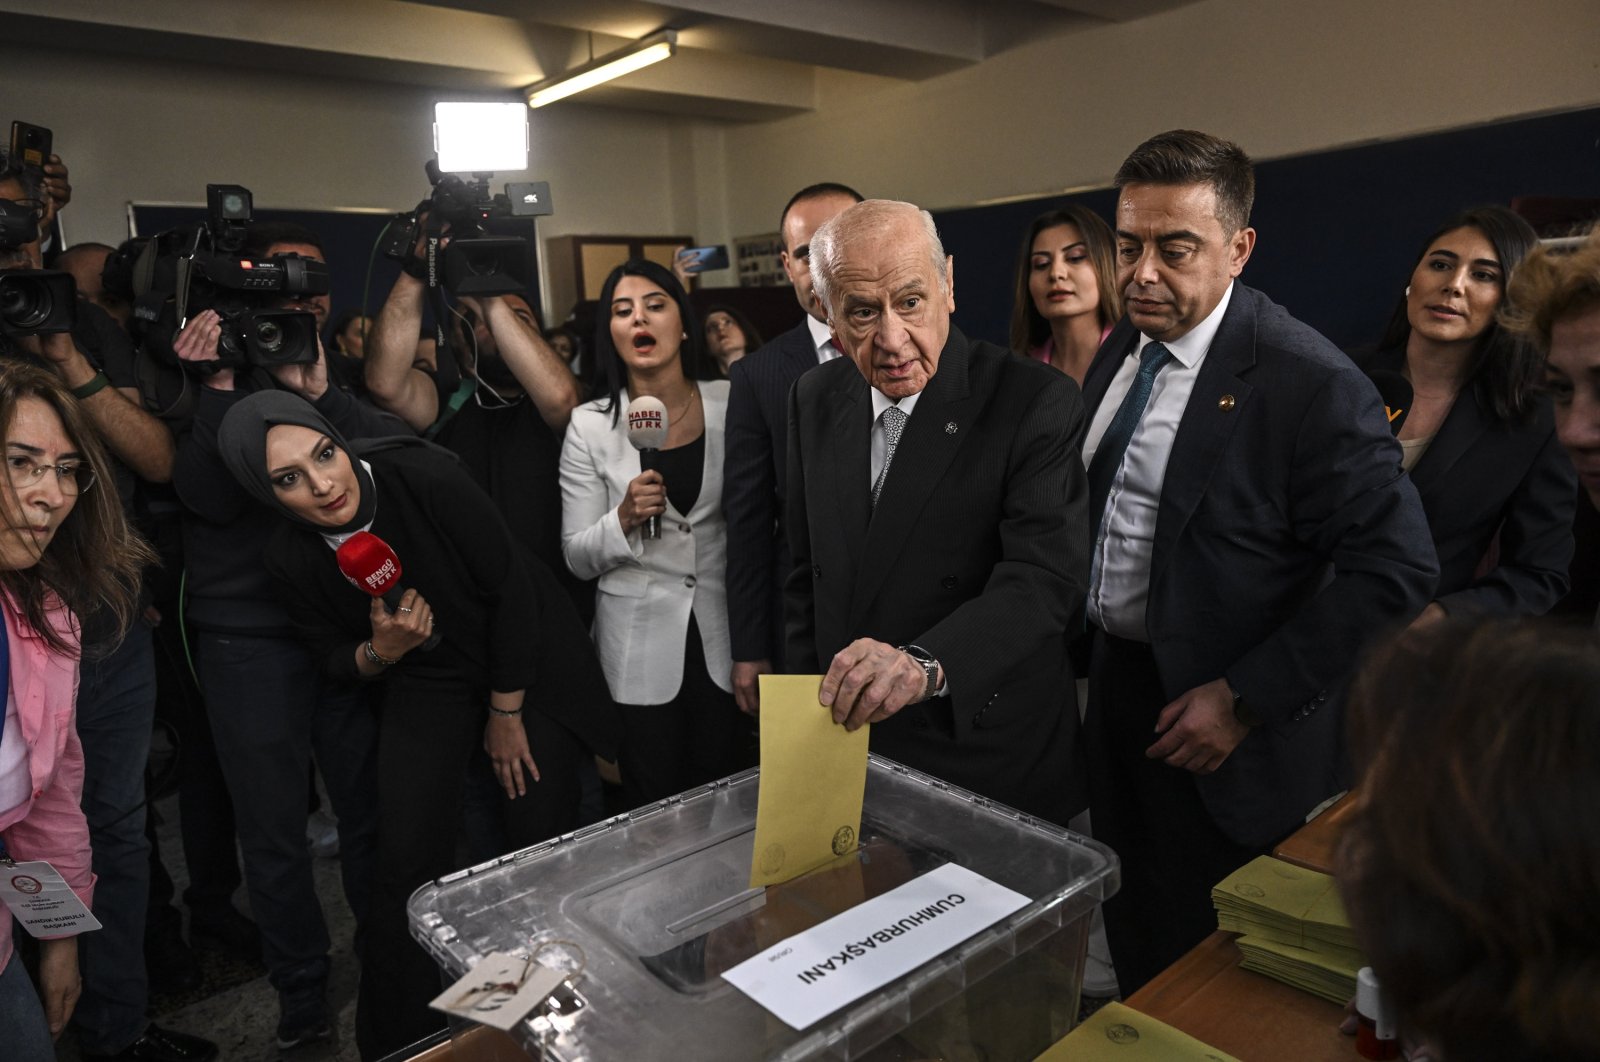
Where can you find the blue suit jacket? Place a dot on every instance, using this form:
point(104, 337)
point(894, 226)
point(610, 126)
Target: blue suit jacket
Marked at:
point(1287, 538)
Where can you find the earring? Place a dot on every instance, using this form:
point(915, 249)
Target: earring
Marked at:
point(1408, 291)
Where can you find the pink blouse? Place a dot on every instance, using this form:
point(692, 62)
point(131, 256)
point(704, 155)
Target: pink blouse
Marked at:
point(49, 824)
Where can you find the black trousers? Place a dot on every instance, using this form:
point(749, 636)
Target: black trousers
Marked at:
point(697, 737)
point(426, 735)
point(1151, 815)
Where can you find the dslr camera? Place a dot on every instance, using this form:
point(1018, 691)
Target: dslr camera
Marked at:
point(474, 262)
point(186, 270)
point(32, 301)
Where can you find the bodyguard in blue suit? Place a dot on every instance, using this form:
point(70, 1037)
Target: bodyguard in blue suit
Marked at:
point(1251, 531)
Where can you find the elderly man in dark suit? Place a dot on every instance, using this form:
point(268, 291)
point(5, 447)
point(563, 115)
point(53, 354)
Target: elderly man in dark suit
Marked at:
point(937, 521)
point(757, 437)
point(1251, 530)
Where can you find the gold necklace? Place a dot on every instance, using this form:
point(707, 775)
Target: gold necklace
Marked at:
point(694, 392)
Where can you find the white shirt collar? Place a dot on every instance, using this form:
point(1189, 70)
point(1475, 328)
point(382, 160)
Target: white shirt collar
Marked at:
point(881, 402)
point(820, 335)
point(1189, 348)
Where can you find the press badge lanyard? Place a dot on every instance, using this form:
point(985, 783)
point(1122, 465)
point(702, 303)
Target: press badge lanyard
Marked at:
point(35, 891)
point(5, 685)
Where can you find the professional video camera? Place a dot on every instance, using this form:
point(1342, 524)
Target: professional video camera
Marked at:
point(473, 139)
point(32, 301)
point(474, 262)
point(186, 270)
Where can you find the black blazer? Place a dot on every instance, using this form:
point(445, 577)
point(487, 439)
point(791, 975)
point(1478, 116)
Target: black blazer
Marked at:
point(1480, 476)
point(1287, 537)
point(753, 491)
point(977, 552)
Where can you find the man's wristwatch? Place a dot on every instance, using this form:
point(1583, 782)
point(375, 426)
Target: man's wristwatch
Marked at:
point(930, 668)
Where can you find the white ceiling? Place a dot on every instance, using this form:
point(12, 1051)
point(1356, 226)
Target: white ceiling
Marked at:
point(738, 60)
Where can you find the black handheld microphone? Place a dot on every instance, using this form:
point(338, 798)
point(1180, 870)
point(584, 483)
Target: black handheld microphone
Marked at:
point(1395, 390)
point(647, 431)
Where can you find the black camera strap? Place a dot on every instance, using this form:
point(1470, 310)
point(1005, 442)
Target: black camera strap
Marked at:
point(441, 331)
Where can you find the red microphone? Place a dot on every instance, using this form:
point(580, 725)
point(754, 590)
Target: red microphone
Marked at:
point(372, 567)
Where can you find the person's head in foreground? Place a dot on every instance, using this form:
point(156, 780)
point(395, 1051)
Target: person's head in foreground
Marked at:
point(1554, 302)
point(1471, 866)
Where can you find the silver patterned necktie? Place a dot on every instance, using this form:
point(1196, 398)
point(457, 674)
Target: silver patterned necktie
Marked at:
point(894, 422)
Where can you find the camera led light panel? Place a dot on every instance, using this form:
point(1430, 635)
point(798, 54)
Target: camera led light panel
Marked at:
point(481, 137)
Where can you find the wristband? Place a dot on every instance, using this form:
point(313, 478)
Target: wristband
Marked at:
point(97, 383)
point(501, 711)
point(381, 661)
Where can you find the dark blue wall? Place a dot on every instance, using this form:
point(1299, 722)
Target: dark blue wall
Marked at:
point(1337, 231)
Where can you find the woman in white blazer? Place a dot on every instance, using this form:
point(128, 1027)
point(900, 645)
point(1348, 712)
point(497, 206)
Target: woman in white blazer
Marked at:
point(661, 615)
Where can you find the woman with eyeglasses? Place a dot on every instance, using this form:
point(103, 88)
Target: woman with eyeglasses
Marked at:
point(729, 336)
point(66, 551)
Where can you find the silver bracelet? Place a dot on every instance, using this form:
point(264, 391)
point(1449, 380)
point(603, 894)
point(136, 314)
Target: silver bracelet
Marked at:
point(381, 661)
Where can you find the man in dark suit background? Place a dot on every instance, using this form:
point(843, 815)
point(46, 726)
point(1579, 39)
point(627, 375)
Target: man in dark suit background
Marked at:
point(757, 437)
point(1250, 531)
point(937, 522)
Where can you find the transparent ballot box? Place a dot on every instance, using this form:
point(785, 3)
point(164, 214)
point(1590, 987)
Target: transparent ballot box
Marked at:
point(647, 910)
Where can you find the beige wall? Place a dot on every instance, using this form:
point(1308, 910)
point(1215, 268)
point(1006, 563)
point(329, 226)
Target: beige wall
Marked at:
point(155, 132)
point(1281, 77)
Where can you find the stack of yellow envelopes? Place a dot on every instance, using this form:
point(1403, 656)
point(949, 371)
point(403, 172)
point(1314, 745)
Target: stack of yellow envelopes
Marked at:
point(1295, 928)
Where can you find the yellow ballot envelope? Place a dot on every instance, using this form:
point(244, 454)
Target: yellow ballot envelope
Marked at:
point(813, 776)
point(1116, 1033)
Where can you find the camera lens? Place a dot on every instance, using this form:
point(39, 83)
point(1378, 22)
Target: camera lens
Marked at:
point(233, 205)
point(269, 337)
point(23, 305)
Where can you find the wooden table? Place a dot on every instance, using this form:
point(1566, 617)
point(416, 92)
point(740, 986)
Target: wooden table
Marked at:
point(1312, 845)
point(1246, 1014)
point(1249, 1016)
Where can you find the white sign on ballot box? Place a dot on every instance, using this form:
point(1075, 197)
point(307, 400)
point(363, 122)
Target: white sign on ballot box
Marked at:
point(810, 975)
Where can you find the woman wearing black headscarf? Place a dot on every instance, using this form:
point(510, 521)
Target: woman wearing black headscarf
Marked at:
point(513, 662)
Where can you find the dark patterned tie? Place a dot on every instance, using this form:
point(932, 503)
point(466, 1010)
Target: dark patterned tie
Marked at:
point(1108, 458)
point(894, 422)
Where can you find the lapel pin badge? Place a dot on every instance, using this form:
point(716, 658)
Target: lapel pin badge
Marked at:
point(950, 427)
point(1226, 403)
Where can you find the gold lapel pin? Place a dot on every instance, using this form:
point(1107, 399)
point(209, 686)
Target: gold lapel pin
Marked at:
point(1225, 403)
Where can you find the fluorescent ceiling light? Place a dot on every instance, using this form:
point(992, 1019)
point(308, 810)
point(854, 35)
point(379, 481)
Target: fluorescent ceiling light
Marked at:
point(636, 56)
point(481, 137)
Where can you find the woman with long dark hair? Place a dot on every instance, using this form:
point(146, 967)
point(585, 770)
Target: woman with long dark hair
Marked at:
point(66, 551)
point(661, 614)
point(1479, 436)
point(1066, 289)
point(512, 669)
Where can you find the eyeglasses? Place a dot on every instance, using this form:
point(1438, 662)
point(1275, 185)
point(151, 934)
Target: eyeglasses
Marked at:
point(73, 477)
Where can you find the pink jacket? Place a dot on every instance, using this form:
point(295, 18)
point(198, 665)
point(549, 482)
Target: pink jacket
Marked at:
point(50, 823)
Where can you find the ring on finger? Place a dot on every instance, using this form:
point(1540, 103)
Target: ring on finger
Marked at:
point(404, 609)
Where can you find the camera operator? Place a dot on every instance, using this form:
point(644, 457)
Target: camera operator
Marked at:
point(505, 423)
point(269, 704)
point(116, 694)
